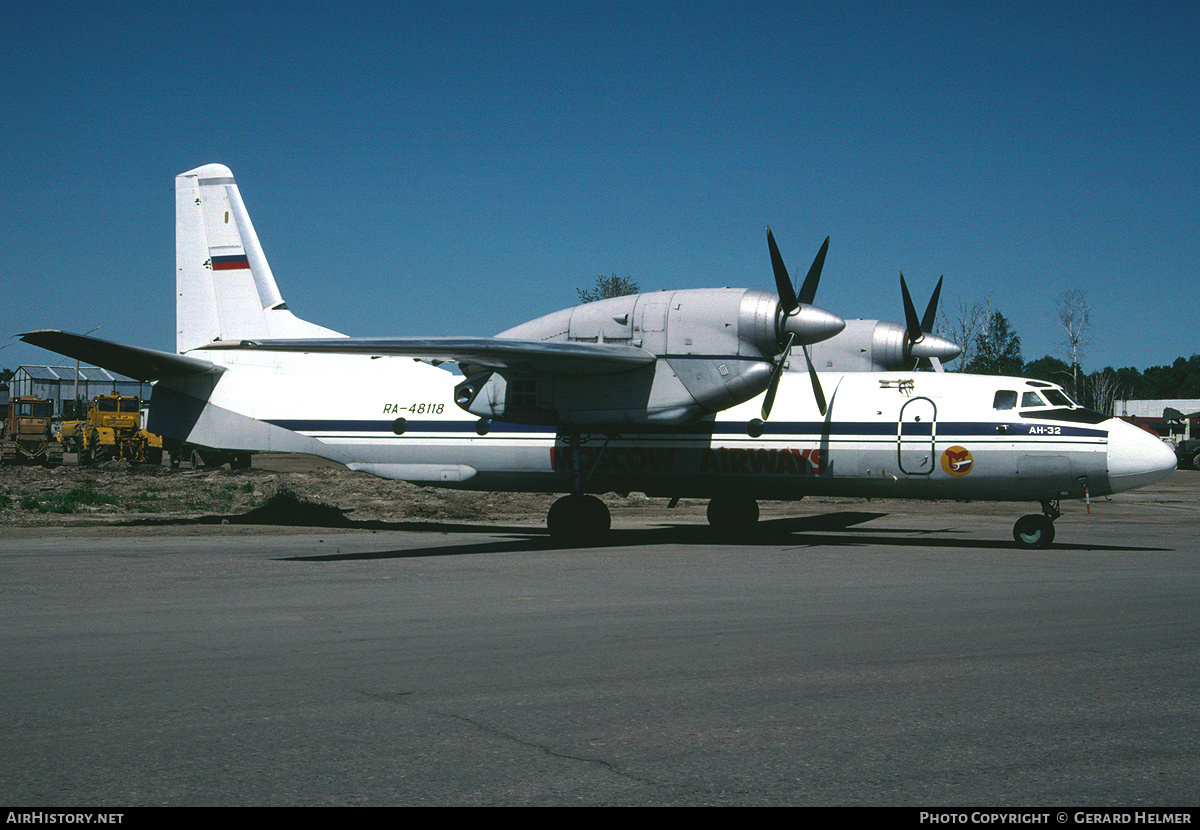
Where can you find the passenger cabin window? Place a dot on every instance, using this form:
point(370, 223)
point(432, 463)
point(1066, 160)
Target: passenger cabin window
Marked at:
point(1031, 399)
point(1005, 399)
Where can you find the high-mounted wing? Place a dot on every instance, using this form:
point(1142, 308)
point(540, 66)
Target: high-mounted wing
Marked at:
point(133, 361)
point(542, 357)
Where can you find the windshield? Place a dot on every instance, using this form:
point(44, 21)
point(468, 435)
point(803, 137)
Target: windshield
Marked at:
point(119, 404)
point(34, 409)
point(1060, 398)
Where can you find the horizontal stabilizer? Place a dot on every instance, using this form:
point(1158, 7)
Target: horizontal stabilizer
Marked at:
point(132, 361)
point(541, 357)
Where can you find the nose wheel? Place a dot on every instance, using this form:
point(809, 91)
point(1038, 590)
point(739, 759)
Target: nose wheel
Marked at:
point(1037, 529)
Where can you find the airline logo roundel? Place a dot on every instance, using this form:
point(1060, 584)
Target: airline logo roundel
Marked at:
point(957, 461)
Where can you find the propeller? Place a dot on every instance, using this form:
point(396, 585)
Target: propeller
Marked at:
point(798, 318)
point(920, 342)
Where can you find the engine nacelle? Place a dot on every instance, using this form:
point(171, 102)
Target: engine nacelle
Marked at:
point(878, 346)
point(714, 349)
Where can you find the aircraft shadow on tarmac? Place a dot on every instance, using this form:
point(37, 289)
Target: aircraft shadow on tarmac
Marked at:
point(838, 529)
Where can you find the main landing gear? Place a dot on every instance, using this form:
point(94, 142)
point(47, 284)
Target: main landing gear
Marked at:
point(732, 515)
point(580, 518)
point(577, 518)
point(1037, 529)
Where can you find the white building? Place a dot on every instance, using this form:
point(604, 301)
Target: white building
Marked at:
point(59, 383)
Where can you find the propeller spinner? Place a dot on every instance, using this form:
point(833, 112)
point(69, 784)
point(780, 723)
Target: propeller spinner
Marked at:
point(921, 343)
point(799, 321)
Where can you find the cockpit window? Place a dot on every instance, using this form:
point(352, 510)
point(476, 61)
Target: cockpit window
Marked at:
point(1059, 398)
point(1031, 399)
point(1005, 399)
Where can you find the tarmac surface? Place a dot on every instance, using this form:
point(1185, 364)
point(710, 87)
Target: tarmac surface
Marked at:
point(870, 653)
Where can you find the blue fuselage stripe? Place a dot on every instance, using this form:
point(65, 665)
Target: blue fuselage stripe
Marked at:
point(814, 430)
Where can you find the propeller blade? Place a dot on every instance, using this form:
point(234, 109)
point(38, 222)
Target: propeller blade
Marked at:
point(773, 386)
point(809, 322)
point(783, 282)
point(818, 393)
point(929, 319)
point(808, 291)
point(910, 314)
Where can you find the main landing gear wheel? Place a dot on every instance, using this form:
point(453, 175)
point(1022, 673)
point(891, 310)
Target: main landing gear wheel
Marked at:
point(578, 519)
point(732, 515)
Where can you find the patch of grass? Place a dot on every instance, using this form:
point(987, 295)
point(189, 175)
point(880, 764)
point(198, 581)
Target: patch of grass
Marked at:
point(68, 502)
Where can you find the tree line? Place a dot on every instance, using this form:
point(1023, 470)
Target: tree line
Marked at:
point(991, 347)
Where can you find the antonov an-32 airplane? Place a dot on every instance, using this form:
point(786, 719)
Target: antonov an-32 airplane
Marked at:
point(676, 394)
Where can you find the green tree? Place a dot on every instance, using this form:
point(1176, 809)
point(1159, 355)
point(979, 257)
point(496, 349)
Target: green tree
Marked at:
point(1049, 369)
point(607, 287)
point(997, 349)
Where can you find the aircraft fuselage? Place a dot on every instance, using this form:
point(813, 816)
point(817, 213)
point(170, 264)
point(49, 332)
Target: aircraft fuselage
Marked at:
point(906, 435)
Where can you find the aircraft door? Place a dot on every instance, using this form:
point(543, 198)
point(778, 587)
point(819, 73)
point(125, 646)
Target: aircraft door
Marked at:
point(916, 434)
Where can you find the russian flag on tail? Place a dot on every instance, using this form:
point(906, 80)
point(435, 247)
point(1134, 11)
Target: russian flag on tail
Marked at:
point(230, 263)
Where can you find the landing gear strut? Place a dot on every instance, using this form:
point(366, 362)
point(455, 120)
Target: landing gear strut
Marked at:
point(577, 518)
point(1037, 529)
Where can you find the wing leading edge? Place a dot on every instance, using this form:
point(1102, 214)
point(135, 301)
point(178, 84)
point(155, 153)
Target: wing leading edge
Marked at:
point(541, 357)
point(132, 361)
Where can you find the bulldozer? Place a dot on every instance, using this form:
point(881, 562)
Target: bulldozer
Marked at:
point(27, 438)
point(112, 429)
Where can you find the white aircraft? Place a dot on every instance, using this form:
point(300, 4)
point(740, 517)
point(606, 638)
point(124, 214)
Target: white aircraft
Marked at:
point(668, 393)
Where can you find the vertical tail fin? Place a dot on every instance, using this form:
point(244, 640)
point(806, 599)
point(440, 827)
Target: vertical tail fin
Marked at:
point(224, 287)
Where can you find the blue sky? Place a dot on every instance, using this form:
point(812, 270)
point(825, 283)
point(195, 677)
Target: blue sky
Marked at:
point(421, 169)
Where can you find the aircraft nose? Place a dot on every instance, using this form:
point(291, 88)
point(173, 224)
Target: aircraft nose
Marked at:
point(1135, 457)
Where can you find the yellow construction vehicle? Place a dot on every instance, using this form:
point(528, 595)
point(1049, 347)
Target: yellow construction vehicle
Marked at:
point(112, 429)
point(26, 436)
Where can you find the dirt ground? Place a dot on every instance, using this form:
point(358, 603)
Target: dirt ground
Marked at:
point(278, 489)
point(304, 491)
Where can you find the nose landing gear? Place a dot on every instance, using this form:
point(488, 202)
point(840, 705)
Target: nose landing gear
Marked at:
point(1037, 530)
